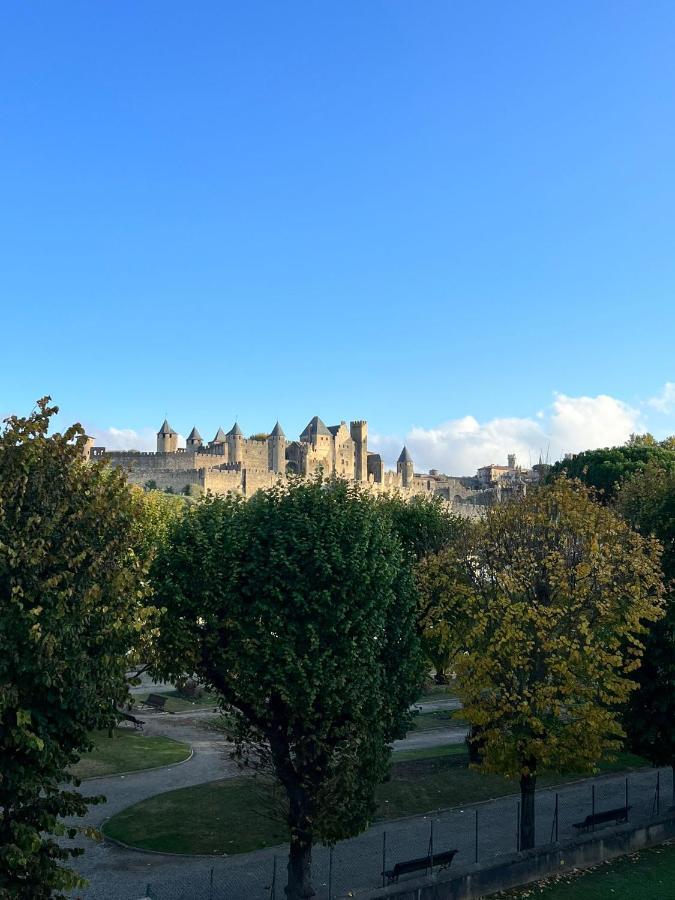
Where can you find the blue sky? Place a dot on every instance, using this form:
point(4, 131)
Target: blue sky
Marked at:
point(443, 217)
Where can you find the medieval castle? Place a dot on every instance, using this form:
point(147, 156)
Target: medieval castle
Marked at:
point(233, 463)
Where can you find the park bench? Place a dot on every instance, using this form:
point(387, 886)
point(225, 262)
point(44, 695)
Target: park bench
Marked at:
point(442, 860)
point(158, 701)
point(618, 815)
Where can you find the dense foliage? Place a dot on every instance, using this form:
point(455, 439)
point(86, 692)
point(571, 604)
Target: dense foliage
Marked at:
point(648, 502)
point(606, 468)
point(422, 523)
point(71, 602)
point(430, 534)
point(560, 589)
point(298, 608)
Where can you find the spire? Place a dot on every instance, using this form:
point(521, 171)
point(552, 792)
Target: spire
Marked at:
point(405, 457)
point(235, 431)
point(166, 428)
point(194, 435)
point(220, 437)
point(277, 431)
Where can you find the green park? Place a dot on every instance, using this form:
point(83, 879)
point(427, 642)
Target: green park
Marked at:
point(342, 663)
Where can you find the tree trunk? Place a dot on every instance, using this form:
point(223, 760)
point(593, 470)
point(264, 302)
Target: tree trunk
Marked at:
point(299, 885)
point(527, 789)
point(474, 745)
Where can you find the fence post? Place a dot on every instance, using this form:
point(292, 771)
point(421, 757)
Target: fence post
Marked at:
point(384, 855)
point(593, 807)
point(431, 846)
point(273, 889)
point(476, 840)
point(554, 823)
point(330, 872)
point(626, 798)
point(658, 792)
point(518, 828)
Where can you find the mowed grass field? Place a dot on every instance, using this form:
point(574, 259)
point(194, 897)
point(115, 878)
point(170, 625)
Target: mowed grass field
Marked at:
point(176, 702)
point(237, 815)
point(128, 751)
point(648, 875)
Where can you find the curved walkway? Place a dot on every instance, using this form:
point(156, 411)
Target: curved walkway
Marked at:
point(116, 873)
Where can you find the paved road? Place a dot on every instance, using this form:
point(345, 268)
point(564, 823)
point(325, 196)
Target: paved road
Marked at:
point(118, 874)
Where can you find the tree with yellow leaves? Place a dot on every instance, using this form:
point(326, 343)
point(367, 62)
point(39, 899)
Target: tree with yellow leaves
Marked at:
point(560, 590)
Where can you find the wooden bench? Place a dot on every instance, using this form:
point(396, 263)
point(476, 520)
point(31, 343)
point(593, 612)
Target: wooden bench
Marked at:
point(442, 860)
point(158, 701)
point(618, 815)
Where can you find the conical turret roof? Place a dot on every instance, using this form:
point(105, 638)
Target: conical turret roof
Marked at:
point(166, 428)
point(194, 435)
point(314, 426)
point(235, 431)
point(277, 431)
point(220, 437)
point(405, 457)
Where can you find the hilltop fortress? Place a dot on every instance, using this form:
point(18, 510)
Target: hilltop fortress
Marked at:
point(233, 463)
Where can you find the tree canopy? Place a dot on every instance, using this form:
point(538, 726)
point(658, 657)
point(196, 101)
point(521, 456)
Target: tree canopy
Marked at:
point(423, 524)
point(430, 533)
point(647, 501)
point(71, 602)
point(560, 590)
point(606, 468)
point(298, 608)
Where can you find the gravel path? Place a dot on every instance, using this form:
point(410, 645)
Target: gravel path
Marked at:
point(115, 873)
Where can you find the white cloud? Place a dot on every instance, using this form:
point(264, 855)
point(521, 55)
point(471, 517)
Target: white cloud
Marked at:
point(124, 438)
point(665, 401)
point(568, 425)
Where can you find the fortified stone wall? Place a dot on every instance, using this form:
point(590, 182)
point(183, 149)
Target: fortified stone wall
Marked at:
point(234, 463)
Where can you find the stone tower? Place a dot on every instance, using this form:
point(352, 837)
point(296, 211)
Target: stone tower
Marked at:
point(359, 433)
point(194, 441)
point(167, 439)
point(276, 443)
point(219, 443)
point(405, 468)
point(235, 444)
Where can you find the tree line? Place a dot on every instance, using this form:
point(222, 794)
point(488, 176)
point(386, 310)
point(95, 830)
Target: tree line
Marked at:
point(316, 611)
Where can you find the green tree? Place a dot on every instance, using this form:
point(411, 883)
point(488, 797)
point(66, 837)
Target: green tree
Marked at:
point(298, 609)
point(443, 609)
point(423, 524)
point(606, 468)
point(71, 601)
point(647, 501)
point(561, 587)
point(430, 533)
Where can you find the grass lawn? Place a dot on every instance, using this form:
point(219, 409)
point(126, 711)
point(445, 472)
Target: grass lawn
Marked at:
point(649, 874)
point(128, 751)
point(430, 753)
point(438, 692)
point(175, 702)
point(437, 718)
point(229, 816)
point(235, 815)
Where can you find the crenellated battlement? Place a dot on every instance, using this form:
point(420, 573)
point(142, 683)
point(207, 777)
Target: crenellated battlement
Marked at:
point(232, 462)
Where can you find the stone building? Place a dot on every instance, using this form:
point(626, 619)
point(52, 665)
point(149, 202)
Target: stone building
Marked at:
point(232, 462)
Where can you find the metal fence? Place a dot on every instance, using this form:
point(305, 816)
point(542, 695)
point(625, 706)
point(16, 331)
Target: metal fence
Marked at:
point(480, 833)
